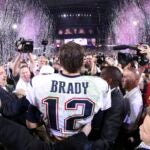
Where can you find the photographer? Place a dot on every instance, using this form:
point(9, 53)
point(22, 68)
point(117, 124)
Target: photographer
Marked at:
point(145, 49)
point(19, 62)
point(90, 65)
point(23, 47)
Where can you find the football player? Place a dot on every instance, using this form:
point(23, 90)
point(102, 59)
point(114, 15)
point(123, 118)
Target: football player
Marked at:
point(67, 101)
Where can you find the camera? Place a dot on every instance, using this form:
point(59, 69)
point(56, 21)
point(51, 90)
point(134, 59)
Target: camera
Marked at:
point(24, 46)
point(100, 58)
point(125, 58)
point(44, 42)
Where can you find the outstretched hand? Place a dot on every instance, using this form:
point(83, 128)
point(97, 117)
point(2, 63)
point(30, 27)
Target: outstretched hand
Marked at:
point(20, 93)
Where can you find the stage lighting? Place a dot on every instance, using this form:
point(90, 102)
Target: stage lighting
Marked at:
point(14, 26)
point(135, 23)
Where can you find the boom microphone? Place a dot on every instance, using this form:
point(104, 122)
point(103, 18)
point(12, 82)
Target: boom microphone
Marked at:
point(122, 47)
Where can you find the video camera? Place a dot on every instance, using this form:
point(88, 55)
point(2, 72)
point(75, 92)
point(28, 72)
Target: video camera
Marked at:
point(100, 58)
point(125, 58)
point(44, 42)
point(24, 46)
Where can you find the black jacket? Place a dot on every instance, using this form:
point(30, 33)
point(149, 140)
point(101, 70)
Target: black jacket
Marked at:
point(11, 105)
point(17, 137)
point(104, 135)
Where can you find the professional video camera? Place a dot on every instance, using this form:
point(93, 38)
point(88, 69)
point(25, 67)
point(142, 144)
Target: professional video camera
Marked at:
point(125, 58)
point(24, 46)
point(100, 58)
point(44, 42)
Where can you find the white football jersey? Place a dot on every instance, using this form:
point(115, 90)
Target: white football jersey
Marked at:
point(68, 103)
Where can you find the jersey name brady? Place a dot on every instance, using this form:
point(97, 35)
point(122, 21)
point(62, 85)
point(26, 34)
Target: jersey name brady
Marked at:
point(68, 103)
point(70, 88)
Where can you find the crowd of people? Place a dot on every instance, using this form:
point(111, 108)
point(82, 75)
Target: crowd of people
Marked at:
point(76, 100)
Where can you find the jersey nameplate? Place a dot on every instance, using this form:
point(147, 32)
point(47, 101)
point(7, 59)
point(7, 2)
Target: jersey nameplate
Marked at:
point(70, 88)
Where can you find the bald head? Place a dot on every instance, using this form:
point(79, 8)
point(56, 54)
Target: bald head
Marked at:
point(130, 79)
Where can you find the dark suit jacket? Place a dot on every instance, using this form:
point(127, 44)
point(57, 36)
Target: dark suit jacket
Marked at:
point(11, 105)
point(111, 121)
point(17, 137)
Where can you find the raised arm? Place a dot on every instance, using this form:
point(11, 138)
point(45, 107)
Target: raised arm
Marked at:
point(16, 65)
point(32, 63)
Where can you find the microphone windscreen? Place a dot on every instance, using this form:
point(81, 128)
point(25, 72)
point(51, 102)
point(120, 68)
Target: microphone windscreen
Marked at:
point(123, 47)
point(120, 47)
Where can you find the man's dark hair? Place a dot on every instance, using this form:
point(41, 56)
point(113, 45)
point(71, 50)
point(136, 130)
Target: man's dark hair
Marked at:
point(71, 57)
point(113, 73)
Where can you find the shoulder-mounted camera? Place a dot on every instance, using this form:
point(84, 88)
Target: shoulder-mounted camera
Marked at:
point(24, 46)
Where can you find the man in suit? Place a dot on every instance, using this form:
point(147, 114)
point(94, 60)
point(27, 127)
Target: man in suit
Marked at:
point(10, 104)
point(104, 135)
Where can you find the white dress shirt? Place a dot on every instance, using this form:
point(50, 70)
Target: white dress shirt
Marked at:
point(136, 105)
point(26, 86)
point(143, 145)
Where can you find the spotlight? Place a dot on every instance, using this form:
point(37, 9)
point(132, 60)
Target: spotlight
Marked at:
point(135, 23)
point(14, 26)
point(64, 15)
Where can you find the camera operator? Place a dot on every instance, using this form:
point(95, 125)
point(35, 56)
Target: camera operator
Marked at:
point(145, 49)
point(90, 65)
point(23, 47)
point(95, 69)
point(19, 62)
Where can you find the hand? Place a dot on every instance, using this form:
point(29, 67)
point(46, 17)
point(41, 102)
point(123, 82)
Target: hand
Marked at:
point(110, 61)
point(86, 129)
point(20, 93)
point(94, 59)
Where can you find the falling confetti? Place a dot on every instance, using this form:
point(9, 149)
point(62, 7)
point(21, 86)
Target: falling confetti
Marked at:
point(26, 19)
